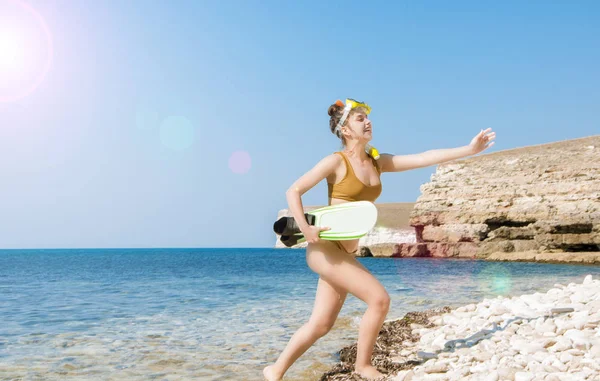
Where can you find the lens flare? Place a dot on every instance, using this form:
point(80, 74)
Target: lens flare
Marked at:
point(240, 162)
point(9, 53)
point(494, 279)
point(177, 133)
point(146, 118)
point(26, 50)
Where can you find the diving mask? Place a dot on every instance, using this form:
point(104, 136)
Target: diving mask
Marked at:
point(352, 104)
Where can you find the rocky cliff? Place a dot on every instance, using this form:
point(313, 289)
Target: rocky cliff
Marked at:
point(535, 200)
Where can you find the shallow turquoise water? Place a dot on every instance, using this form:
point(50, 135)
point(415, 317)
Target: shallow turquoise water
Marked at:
point(209, 314)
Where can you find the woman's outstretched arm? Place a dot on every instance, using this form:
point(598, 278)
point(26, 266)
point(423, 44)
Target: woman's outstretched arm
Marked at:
point(397, 163)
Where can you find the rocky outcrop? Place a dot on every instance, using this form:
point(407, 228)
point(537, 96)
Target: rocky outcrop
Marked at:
point(538, 199)
point(392, 228)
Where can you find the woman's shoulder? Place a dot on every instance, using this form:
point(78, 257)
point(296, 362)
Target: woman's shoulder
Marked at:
point(326, 166)
point(331, 163)
point(331, 160)
point(334, 158)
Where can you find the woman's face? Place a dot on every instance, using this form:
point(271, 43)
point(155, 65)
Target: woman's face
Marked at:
point(359, 127)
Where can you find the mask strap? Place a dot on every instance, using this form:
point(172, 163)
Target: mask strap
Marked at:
point(342, 120)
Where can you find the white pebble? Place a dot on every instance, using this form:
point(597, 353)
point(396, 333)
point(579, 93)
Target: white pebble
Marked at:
point(438, 342)
point(577, 297)
point(437, 367)
point(482, 356)
point(595, 351)
point(487, 345)
point(507, 373)
point(524, 376)
point(540, 356)
point(401, 376)
point(557, 364)
point(534, 366)
point(562, 344)
point(552, 377)
point(565, 357)
point(551, 369)
point(492, 376)
point(549, 359)
point(479, 368)
point(547, 326)
point(531, 348)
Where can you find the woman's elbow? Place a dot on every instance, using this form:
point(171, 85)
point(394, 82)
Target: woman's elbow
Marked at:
point(293, 191)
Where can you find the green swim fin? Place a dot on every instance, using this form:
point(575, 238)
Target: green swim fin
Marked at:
point(346, 221)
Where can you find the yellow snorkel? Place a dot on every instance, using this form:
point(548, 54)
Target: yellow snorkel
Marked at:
point(351, 104)
point(372, 151)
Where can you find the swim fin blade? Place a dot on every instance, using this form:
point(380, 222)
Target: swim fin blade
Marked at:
point(346, 221)
point(287, 226)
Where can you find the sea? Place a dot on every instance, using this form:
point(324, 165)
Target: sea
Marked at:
point(211, 314)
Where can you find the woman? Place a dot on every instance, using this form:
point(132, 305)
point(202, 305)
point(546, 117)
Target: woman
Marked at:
point(352, 175)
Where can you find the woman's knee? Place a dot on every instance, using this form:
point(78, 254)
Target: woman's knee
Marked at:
point(320, 329)
point(380, 302)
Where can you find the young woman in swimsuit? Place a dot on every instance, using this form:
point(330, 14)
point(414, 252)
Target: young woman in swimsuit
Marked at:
point(352, 175)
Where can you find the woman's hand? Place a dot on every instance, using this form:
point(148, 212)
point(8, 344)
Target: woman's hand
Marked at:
point(311, 233)
point(482, 141)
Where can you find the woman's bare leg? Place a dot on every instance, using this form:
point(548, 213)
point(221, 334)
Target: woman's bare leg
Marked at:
point(328, 303)
point(345, 272)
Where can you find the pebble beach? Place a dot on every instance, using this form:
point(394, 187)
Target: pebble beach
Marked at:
point(533, 337)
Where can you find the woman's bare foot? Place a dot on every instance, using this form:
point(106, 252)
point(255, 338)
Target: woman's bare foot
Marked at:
point(369, 372)
point(270, 374)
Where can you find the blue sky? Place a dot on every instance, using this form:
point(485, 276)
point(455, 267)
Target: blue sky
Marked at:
point(127, 140)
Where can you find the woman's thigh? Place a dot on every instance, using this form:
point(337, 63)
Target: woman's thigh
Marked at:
point(344, 272)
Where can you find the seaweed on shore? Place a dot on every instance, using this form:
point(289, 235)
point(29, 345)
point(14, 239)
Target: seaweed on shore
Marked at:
point(390, 341)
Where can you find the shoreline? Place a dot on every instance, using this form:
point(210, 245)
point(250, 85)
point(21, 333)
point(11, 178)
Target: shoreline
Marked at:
point(564, 258)
point(526, 337)
point(587, 258)
point(579, 257)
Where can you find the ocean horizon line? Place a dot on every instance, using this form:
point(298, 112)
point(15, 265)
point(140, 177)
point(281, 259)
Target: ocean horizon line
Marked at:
point(143, 248)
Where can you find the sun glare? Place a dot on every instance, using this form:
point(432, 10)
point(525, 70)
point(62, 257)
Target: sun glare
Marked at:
point(9, 52)
point(25, 50)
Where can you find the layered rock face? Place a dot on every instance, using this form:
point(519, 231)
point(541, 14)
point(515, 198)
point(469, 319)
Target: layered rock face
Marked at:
point(538, 199)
